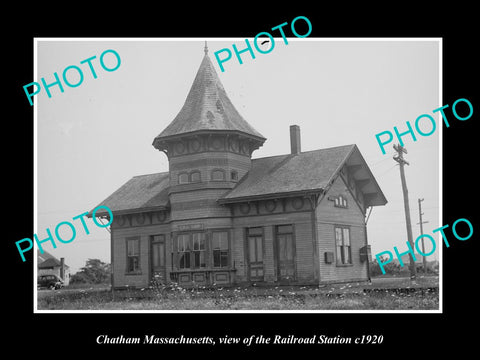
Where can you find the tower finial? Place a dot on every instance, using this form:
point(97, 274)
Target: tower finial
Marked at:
point(205, 49)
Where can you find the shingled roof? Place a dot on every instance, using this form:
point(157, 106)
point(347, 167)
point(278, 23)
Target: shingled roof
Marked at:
point(310, 171)
point(307, 171)
point(140, 193)
point(269, 177)
point(207, 108)
point(46, 260)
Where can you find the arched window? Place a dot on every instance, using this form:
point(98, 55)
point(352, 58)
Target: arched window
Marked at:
point(195, 176)
point(183, 178)
point(218, 175)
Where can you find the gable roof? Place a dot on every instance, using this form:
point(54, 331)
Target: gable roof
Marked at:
point(49, 263)
point(310, 171)
point(140, 193)
point(206, 108)
point(42, 257)
point(47, 260)
point(307, 171)
point(268, 177)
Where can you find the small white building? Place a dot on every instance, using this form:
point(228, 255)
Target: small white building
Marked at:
point(50, 265)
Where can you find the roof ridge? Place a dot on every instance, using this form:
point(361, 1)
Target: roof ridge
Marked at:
point(159, 173)
point(304, 152)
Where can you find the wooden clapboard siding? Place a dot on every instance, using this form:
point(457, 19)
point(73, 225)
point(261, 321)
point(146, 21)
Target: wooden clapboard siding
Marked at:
point(206, 162)
point(304, 250)
point(119, 254)
point(238, 251)
point(268, 257)
point(303, 243)
point(197, 207)
point(352, 217)
point(209, 134)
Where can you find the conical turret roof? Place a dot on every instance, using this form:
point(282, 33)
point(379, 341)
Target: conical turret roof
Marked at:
point(206, 108)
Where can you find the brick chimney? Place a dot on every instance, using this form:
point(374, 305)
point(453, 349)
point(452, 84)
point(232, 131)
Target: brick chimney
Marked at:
point(62, 268)
point(295, 143)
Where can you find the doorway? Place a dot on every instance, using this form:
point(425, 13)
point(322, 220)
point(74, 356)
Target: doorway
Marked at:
point(158, 273)
point(254, 251)
point(285, 253)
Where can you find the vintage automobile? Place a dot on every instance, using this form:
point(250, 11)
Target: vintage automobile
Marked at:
point(52, 282)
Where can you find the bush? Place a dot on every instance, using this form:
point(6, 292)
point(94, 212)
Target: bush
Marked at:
point(391, 268)
point(94, 272)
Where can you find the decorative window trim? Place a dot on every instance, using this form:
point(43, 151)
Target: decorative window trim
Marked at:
point(193, 172)
point(121, 220)
point(297, 203)
point(234, 145)
point(133, 267)
point(180, 176)
point(340, 253)
point(217, 143)
point(199, 252)
point(197, 248)
point(184, 251)
point(245, 148)
point(270, 205)
point(217, 171)
point(221, 251)
point(244, 208)
point(161, 216)
point(339, 201)
point(140, 218)
point(180, 148)
point(195, 145)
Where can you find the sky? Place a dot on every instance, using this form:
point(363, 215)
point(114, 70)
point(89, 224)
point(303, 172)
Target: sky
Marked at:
point(93, 138)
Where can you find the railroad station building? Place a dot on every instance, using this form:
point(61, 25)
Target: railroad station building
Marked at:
point(221, 217)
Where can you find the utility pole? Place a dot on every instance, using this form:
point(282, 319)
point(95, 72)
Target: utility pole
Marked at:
point(401, 162)
point(421, 233)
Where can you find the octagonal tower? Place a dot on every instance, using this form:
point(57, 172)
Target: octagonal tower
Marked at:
point(209, 147)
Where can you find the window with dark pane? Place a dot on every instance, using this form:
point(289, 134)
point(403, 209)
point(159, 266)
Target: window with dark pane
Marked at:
point(343, 246)
point(195, 176)
point(133, 255)
point(220, 248)
point(183, 178)
point(218, 175)
point(183, 246)
point(198, 250)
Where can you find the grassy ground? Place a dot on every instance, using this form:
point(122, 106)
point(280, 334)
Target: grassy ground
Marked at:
point(382, 294)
